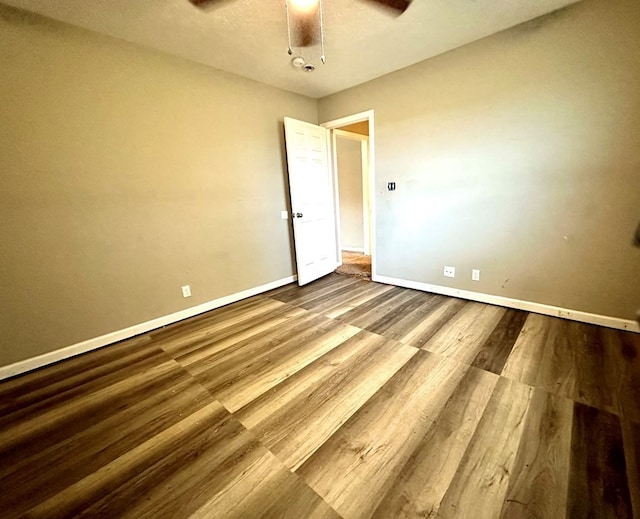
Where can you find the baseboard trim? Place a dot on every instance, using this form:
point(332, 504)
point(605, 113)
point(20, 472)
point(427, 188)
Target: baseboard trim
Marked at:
point(353, 249)
point(26, 365)
point(518, 304)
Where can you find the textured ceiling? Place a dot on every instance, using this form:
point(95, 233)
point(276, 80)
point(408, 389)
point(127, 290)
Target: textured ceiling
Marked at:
point(249, 37)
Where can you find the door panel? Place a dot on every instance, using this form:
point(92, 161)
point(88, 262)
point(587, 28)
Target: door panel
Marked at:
point(312, 204)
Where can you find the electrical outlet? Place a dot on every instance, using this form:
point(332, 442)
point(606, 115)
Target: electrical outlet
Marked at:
point(186, 291)
point(475, 275)
point(449, 272)
point(284, 215)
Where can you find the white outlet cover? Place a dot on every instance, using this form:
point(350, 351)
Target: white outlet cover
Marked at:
point(449, 272)
point(186, 291)
point(475, 275)
point(284, 215)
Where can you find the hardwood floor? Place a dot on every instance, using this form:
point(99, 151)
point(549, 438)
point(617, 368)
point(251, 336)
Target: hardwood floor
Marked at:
point(343, 398)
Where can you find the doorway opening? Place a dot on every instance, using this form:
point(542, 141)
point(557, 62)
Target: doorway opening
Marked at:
point(352, 161)
point(355, 264)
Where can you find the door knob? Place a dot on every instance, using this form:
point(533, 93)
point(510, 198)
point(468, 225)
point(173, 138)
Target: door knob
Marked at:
point(297, 215)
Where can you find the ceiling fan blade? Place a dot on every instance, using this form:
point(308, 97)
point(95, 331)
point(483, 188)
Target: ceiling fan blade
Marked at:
point(397, 7)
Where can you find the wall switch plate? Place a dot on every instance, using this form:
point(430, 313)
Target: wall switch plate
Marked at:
point(449, 272)
point(186, 291)
point(284, 215)
point(475, 275)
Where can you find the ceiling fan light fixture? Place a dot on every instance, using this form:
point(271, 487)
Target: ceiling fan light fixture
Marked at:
point(305, 6)
point(305, 27)
point(305, 21)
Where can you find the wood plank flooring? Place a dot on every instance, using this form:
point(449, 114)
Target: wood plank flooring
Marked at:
point(343, 398)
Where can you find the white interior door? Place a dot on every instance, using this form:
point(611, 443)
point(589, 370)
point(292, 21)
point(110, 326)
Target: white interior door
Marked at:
point(312, 202)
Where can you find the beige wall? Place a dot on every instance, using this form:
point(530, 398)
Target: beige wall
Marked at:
point(349, 158)
point(124, 174)
point(518, 155)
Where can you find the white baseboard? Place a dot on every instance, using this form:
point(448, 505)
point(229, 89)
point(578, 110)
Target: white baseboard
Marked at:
point(518, 304)
point(353, 249)
point(23, 366)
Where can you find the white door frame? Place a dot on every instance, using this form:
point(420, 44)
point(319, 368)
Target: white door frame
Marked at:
point(338, 123)
point(364, 161)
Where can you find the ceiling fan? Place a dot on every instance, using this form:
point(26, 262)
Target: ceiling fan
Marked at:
point(306, 17)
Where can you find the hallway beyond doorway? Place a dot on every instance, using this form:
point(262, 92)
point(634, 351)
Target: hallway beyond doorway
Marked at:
point(355, 264)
